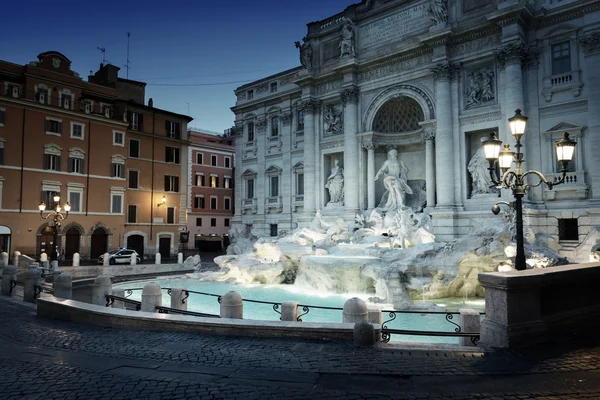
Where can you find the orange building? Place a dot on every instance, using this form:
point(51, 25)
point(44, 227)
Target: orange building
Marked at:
point(210, 187)
point(96, 144)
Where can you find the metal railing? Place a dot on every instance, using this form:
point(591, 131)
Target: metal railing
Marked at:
point(110, 299)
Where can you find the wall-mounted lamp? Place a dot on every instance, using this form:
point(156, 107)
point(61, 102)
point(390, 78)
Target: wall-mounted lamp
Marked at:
point(163, 201)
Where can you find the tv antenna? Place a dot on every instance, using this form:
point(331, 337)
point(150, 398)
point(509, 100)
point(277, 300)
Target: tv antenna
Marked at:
point(103, 51)
point(127, 65)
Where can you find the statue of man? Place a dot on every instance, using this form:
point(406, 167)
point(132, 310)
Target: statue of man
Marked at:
point(438, 11)
point(335, 183)
point(347, 41)
point(395, 182)
point(305, 53)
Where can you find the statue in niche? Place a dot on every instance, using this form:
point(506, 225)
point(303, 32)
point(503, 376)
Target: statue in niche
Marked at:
point(347, 42)
point(480, 174)
point(335, 183)
point(305, 53)
point(438, 11)
point(480, 87)
point(333, 120)
point(395, 182)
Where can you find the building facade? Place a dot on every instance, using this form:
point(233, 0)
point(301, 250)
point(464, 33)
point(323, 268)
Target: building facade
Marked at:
point(429, 79)
point(210, 187)
point(84, 140)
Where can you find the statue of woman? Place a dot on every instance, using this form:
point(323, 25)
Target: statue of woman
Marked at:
point(438, 11)
point(395, 182)
point(480, 174)
point(347, 42)
point(335, 183)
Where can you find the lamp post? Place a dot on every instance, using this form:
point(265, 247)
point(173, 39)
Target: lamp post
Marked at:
point(515, 180)
point(55, 216)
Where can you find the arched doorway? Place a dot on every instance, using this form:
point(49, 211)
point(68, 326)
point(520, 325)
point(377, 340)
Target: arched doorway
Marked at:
point(73, 236)
point(136, 242)
point(99, 242)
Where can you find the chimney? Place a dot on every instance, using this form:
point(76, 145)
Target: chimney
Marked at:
point(150, 102)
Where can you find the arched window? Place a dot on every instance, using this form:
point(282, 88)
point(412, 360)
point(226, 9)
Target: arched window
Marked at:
point(400, 114)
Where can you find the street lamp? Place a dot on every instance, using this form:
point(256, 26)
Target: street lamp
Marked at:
point(55, 216)
point(163, 201)
point(515, 180)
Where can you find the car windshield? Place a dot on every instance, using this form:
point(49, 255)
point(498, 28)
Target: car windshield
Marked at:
point(113, 252)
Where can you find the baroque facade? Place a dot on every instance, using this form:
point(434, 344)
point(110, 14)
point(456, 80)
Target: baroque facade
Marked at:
point(430, 79)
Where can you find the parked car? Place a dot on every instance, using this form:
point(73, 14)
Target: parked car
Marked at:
point(119, 256)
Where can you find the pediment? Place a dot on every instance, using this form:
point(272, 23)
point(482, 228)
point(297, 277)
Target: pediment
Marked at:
point(299, 165)
point(565, 126)
point(273, 169)
point(248, 173)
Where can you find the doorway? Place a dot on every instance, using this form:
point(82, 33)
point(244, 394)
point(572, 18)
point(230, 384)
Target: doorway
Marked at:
point(136, 242)
point(5, 239)
point(164, 247)
point(73, 237)
point(99, 243)
point(47, 240)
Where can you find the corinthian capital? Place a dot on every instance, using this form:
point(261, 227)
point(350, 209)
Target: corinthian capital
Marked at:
point(309, 106)
point(444, 70)
point(517, 51)
point(349, 95)
point(590, 43)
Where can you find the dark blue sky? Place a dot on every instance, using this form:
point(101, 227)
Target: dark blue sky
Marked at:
point(172, 42)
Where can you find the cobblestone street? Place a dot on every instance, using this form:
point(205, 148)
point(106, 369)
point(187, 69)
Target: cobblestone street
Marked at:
point(43, 359)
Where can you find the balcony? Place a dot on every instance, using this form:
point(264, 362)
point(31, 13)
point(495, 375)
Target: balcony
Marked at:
point(273, 205)
point(249, 206)
point(562, 82)
point(574, 186)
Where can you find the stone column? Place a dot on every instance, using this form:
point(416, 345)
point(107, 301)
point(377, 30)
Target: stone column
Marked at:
point(591, 50)
point(351, 187)
point(444, 149)
point(370, 174)
point(310, 108)
point(428, 136)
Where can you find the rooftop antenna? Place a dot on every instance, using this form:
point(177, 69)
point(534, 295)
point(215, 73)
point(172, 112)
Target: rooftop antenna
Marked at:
point(188, 108)
point(103, 51)
point(127, 66)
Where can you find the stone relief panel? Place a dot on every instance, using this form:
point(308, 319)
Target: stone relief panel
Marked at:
point(469, 6)
point(393, 68)
point(332, 120)
point(480, 87)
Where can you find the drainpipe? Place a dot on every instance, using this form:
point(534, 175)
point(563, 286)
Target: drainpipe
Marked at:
point(22, 161)
point(89, 163)
point(152, 180)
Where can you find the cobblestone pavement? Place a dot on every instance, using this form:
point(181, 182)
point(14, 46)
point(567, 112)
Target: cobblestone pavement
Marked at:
point(44, 359)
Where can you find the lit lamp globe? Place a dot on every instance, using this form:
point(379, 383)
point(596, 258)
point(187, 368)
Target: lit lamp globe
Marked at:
point(517, 124)
point(565, 148)
point(67, 207)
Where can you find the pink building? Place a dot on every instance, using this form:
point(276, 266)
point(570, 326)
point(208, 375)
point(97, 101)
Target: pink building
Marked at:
point(210, 188)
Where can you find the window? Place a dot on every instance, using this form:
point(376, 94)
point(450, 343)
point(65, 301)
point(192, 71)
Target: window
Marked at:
point(171, 183)
point(250, 131)
point(213, 160)
point(42, 96)
point(227, 203)
point(300, 184)
point(172, 155)
point(250, 188)
point(198, 221)
point(132, 214)
point(77, 130)
point(273, 87)
point(568, 229)
point(1, 152)
point(135, 121)
point(134, 179)
point(51, 162)
point(76, 165)
point(66, 100)
point(227, 182)
point(274, 187)
point(170, 215)
point(2, 116)
point(75, 196)
point(227, 162)
point(118, 138)
point(199, 202)
point(106, 110)
point(213, 203)
point(561, 58)
point(275, 126)
point(199, 180)
point(300, 121)
point(250, 94)
point(116, 203)
point(226, 222)
point(53, 126)
point(214, 181)
point(199, 158)
point(134, 148)
point(117, 170)
point(273, 229)
point(173, 129)
point(213, 222)
point(48, 198)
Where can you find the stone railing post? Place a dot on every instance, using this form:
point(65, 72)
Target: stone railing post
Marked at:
point(289, 311)
point(364, 334)
point(469, 322)
point(8, 274)
point(2, 265)
point(232, 305)
point(4, 257)
point(179, 299)
point(105, 260)
point(76, 259)
point(151, 297)
point(16, 257)
point(43, 257)
point(120, 304)
point(355, 310)
point(375, 317)
point(63, 286)
point(180, 258)
point(102, 286)
point(33, 282)
point(157, 259)
point(133, 260)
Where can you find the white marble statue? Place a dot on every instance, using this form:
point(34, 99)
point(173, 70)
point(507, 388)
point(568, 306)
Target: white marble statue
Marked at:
point(395, 182)
point(347, 41)
point(438, 11)
point(335, 183)
point(480, 174)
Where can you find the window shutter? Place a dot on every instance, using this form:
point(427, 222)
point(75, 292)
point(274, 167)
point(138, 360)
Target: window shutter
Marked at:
point(167, 154)
point(58, 163)
point(47, 126)
point(178, 130)
point(122, 172)
point(130, 118)
point(176, 156)
point(46, 161)
point(167, 127)
point(2, 116)
point(166, 183)
point(217, 182)
point(113, 170)
point(81, 166)
point(70, 166)
point(176, 184)
point(2, 156)
point(60, 128)
point(140, 122)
